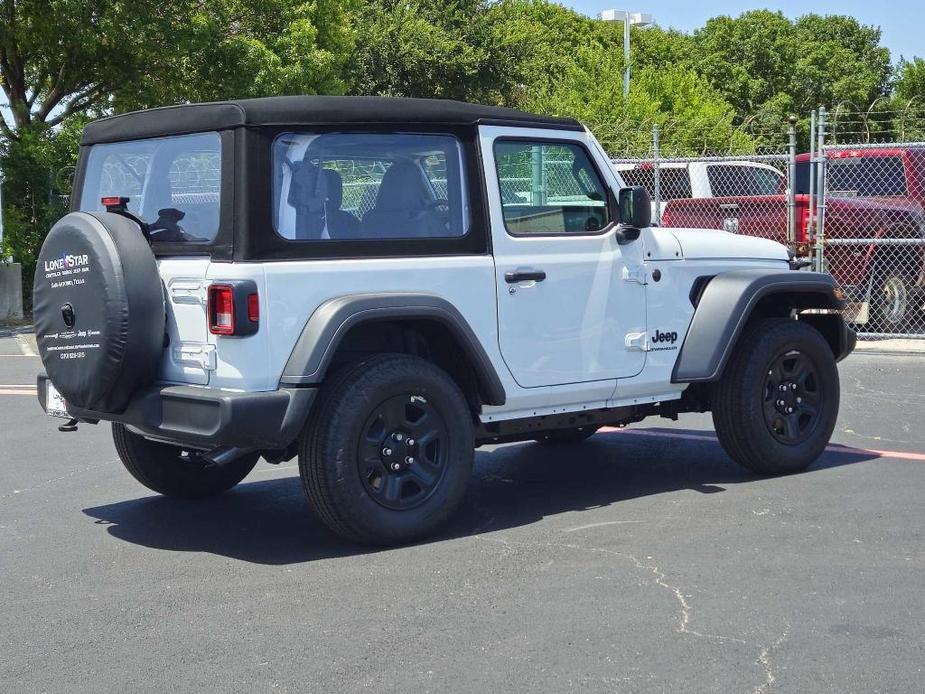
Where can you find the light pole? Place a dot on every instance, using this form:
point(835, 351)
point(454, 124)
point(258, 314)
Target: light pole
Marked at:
point(639, 19)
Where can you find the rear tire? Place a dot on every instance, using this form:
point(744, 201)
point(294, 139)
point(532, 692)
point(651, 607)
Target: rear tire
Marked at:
point(162, 468)
point(775, 406)
point(369, 421)
point(891, 301)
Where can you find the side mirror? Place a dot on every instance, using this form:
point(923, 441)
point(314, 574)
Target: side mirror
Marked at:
point(635, 208)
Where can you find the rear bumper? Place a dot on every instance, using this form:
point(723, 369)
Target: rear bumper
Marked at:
point(209, 417)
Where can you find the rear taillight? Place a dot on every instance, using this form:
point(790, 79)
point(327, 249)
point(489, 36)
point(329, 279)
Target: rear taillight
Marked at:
point(233, 308)
point(221, 309)
point(801, 233)
point(802, 230)
point(253, 308)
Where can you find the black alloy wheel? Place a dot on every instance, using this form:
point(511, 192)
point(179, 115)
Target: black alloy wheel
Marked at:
point(402, 455)
point(792, 397)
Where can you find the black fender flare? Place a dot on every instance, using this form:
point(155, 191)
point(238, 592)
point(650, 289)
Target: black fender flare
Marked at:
point(725, 306)
point(331, 321)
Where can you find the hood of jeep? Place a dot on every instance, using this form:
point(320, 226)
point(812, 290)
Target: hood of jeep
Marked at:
point(710, 243)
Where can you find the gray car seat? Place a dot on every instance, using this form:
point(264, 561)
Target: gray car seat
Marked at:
point(403, 206)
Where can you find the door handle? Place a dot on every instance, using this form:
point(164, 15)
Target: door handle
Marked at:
point(726, 206)
point(524, 276)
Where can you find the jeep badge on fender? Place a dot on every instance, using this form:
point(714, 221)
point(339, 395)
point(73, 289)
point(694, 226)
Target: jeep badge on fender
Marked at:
point(659, 336)
point(368, 305)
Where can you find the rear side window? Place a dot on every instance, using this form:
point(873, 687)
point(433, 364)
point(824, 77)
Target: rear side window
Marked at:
point(173, 183)
point(549, 188)
point(673, 182)
point(730, 181)
point(349, 186)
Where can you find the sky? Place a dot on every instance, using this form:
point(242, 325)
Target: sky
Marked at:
point(902, 22)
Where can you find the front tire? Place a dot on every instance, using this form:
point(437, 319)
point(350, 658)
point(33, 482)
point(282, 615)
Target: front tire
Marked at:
point(387, 454)
point(167, 470)
point(775, 406)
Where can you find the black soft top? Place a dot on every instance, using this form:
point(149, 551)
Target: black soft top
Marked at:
point(309, 110)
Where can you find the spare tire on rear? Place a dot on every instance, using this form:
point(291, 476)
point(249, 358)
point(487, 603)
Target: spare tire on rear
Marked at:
point(98, 305)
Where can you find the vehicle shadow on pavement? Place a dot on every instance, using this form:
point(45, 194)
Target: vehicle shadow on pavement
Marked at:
point(269, 522)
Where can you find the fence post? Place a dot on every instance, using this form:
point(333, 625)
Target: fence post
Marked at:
point(537, 175)
point(820, 186)
point(811, 219)
point(656, 170)
point(791, 182)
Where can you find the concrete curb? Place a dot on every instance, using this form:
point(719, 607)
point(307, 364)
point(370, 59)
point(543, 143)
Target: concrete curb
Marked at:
point(892, 346)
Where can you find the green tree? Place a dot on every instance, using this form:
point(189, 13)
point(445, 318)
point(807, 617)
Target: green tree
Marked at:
point(908, 103)
point(910, 80)
point(763, 60)
point(422, 48)
point(692, 117)
point(63, 59)
point(839, 59)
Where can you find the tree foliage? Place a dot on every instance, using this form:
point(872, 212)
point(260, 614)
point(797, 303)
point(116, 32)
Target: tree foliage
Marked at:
point(64, 61)
point(762, 61)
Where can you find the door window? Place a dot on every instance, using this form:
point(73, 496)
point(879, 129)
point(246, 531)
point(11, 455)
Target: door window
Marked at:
point(549, 188)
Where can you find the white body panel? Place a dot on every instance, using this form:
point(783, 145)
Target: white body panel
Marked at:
point(188, 354)
point(560, 345)
point(571, 326)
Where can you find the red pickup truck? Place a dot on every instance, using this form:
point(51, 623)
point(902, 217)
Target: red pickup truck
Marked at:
point(872, 193)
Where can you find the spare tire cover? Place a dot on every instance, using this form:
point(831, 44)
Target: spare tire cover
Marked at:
point(98, 305)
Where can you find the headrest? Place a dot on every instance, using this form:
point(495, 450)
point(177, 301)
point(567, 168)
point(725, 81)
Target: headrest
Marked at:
point(334, 185)
point(308, 188)
point(402, 188)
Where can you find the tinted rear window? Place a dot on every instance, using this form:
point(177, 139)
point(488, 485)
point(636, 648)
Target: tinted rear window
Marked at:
point(865, 177)
point(173, 183)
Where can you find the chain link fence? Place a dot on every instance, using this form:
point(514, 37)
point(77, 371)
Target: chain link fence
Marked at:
point(850, 205)
point(871, 233)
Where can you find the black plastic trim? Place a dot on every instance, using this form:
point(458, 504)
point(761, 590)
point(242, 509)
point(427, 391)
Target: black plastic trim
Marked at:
point(725, 306)
point(327, 326)
point(209, 417)
point(310, 110)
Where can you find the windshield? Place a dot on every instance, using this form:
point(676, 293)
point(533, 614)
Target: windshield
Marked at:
point(173, 183)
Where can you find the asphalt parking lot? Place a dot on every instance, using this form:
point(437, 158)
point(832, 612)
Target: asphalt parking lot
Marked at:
point(641, 561)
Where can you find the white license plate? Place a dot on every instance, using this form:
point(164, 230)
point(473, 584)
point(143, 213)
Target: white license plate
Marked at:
point(55, 406)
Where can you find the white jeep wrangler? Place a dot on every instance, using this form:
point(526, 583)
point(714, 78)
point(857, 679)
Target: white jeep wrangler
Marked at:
point(378, 286)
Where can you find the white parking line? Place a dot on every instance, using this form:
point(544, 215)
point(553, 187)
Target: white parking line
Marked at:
point(25, 346)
